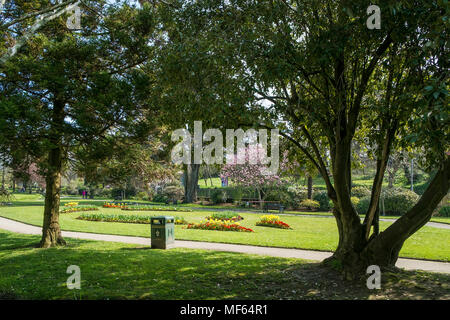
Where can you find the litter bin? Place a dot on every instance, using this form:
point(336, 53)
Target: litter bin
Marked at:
point(162, 232)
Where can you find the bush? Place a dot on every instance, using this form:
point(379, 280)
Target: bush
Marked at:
point(363, 205)
point(444, 211)
point(173, 192)
point(310, 204)
point(297, 193)
point(360, 192)
point(142, 195)
point(396, 202)
point(420, 188)
point(322, 198)
point(160, 198)
point(354, 201)
point(281, 195)
point(219, 196)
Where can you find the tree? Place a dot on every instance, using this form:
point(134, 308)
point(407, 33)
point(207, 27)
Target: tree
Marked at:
point(65, 89)
point(247, 169)
point(36, 12)
point(126, 163)
point(331, 79)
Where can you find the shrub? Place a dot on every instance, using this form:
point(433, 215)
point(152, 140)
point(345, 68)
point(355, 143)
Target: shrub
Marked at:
point(310, 204)
point(363, 205)
point(444, 211)
point(142, 195)
point(218, 196)
point(360, 192)
point(5, 196)
point(124, 218)
point(354, 201)
point(322, 198)
point(173, 192)
point(396, 202)
point(139, 207)
point(160, 198)
point(282, 196)
point(421, 187)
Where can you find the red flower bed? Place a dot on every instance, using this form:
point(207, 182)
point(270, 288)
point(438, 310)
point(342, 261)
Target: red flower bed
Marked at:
point(218, 225)
point(274, 224)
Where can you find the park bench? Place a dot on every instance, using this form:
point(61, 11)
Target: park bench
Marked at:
point(273, 206)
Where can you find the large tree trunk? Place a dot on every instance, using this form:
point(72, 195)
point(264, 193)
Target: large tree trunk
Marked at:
point(191, 182)
point(51, 231)
point(355, 252)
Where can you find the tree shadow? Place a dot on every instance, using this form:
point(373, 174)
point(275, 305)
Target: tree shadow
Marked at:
point(120, 271)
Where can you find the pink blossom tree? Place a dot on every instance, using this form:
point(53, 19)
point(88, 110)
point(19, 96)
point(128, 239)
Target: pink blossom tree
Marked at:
point(247, 168)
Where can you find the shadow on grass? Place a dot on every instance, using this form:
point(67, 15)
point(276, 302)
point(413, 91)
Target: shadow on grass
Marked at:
point(120, 271)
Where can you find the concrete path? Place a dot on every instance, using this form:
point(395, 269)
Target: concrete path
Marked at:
point(408, 264)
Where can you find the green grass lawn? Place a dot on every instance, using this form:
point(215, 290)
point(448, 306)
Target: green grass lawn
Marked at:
point(307, 232)
point(122, 271)
point(216, 183)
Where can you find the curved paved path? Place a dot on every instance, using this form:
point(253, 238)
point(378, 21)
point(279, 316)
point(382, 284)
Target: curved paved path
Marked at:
point(408, 264)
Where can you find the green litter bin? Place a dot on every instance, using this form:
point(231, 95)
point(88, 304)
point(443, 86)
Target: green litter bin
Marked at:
point(162, 232)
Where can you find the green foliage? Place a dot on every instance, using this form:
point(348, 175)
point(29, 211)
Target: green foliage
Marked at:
point(363, 205)
point(421, 187)
point(139, 207)
point(444, 211)
point(226, 215)
point(161, 198)
point(322, 198)
point(78, 208)
point(5, 196)
point(142, 195)
point(173, 192)
point(396, 202)
point(354, 201)
point(124, 218)
point(219, 196)
point(310, 204)
point(360, 192)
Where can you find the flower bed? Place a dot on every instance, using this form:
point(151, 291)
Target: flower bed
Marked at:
point(219, 225)
point(274, 221)
point(225, 216)
point(71, 204)
point(77, 208)
point(154, 208)
point(114, 205)
point(124, 218)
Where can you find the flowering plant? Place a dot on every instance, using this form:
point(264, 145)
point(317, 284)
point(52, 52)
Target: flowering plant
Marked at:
point(227, 215)
point(71, 204)
point(211, 224)
point(77, 208)
point(271, 220)
point(114, 205)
